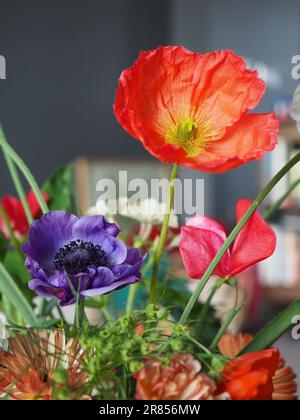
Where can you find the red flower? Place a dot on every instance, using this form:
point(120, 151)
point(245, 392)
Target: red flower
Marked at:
point(284, 379)
point(202, 237)
point(191, 108)
point(16, 214)
point(250, 377)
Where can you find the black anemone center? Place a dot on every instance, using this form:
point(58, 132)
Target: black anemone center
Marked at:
point(76, 256)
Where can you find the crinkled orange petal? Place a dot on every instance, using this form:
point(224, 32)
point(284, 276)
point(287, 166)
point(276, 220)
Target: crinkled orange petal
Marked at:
point(172, 81)
point(249, 139)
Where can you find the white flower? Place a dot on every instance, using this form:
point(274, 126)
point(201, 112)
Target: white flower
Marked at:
point(295, 107)
point(148, 211)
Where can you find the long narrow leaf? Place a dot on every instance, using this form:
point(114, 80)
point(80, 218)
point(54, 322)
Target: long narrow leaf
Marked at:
point(12, 293)
point(274, 330)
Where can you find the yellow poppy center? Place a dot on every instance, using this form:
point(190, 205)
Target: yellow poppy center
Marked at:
point(186, 130)
point(190, 134)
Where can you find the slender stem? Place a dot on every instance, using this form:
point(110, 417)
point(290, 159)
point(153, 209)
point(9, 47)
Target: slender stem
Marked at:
point(198, 344)
point(106, 314)
point(145, 230)
point(131, 297)
point(26, 172)
point(79, 309)
point(229, 318)
point(209, 299)
point(163, 234)
point(60, 312)
point(8, 227)
point(202, 283)
point(268, 213)
point(16, 180)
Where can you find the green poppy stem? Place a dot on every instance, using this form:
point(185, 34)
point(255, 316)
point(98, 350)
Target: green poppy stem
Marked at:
point(202, 283)
point(163, 234)
point(268, 213)
point(9, 151)
point(228, 320)
point(16, 180)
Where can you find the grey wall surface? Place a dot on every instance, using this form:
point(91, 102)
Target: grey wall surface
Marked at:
point(63, 63)
point(64, 59)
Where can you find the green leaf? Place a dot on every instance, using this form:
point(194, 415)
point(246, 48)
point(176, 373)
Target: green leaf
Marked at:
point(12, 293)
point(14, 264)
point(60, 188)
point(3, 246)
point(13, 316)
point(274, 330)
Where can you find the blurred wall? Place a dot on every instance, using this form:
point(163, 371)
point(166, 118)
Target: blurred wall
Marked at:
point(64, 59)
point(63, 63)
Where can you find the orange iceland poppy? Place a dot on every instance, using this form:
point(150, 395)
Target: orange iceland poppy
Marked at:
point(191, 109)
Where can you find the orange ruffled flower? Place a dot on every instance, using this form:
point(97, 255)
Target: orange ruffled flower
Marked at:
point(249, 377)
point(191, 108)
point(181, 380)
point(27, 369)
point(284, 383)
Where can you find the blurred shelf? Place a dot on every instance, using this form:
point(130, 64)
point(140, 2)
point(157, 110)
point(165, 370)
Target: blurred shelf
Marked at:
point(282, 295)
point(288, 131)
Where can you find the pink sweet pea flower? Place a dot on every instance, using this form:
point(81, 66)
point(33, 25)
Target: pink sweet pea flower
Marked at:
point(202, 237)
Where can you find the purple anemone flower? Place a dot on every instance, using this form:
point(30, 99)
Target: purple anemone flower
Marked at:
point(65, 250)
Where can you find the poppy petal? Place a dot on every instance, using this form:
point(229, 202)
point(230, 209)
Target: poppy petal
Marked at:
point(249, 138)
point(255, 242)
point(171, 85)
point(230, 89)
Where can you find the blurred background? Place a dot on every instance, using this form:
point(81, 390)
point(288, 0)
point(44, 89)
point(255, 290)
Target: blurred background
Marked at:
point(63, 62)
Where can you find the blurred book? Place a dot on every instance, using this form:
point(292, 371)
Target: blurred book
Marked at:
point(283, 268)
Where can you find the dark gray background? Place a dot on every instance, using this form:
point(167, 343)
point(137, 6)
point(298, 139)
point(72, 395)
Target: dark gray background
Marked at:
point(64, 59)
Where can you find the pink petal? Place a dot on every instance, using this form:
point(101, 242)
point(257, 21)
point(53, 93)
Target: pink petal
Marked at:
point(198, 247)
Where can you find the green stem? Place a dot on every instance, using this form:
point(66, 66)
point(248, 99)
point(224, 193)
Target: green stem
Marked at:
point(26, 172)
point(163, 234)
point(16, 180)
point(202, 283)
point(209, 299)
point(268, 213)
point(229, 318)
point(79, 308)
point(131, 297)
point(60, 312)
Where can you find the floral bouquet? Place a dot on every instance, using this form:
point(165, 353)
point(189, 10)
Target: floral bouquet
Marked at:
point(164, 343)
